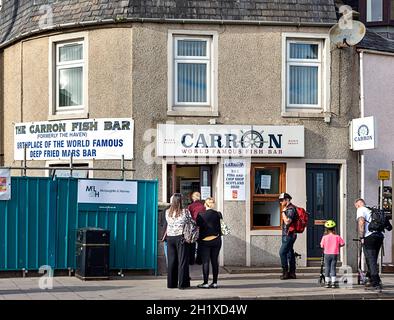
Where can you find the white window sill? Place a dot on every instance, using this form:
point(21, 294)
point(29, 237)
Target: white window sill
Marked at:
point(305, 114)
point(192, 112)
point(65, 116)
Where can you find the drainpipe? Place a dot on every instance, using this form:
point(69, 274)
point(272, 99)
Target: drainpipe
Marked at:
point(362, 183)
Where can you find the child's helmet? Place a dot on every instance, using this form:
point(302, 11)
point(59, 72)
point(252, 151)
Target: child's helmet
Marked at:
point(329, 224)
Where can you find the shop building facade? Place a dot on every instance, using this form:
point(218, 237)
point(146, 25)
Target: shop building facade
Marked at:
point(376, 60)
point(261, 78)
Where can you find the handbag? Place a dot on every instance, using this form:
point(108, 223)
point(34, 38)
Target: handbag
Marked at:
point(190, 230)
point(224, 228)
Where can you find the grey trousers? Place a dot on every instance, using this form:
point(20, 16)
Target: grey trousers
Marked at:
point(330, 264)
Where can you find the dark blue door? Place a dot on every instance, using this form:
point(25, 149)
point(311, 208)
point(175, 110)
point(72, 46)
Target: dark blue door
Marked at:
point(322, 202)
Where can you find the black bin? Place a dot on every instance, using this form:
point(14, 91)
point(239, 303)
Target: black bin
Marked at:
point(92, 253)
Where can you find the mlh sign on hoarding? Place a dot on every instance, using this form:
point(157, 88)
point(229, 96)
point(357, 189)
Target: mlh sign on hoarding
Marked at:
point(230, 140)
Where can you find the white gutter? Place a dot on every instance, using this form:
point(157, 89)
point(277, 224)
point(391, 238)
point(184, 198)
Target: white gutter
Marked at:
point(383, 53)
point(362, 160)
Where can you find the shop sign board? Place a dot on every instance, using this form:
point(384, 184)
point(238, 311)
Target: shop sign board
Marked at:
point(100, 139)
point(230, 141)
point(363, 134)
point(384, 175)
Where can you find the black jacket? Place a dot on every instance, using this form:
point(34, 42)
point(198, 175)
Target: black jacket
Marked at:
point(209, 223)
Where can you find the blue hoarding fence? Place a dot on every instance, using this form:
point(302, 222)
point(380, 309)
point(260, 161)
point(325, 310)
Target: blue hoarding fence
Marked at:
point(38, 225)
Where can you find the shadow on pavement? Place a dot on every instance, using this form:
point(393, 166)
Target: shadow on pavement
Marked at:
point(73, 289)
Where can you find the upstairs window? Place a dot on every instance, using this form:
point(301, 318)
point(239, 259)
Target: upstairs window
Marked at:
point(374, 10)
point(377, 12)
point(192, 73)
point(70, 64)
point(192, 67)
point(392, 10)
point(303, 74)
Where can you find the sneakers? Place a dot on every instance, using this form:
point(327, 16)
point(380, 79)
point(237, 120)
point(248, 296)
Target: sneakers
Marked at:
point(334, 285)
point(213, 285)
point(203, 286)
point(328, 285)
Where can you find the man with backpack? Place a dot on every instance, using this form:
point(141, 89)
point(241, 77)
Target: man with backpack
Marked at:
point(371, 225)
point(289, 236)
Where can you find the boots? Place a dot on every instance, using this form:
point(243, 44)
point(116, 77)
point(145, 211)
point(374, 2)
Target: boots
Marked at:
point(292, 275)
point(285, 275)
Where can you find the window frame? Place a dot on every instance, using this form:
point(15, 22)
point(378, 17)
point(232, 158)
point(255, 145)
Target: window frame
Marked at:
point(366, 12)
point(305, 63)
point(324, 86)
point(176, 108)
point(391, 18)
point(55, 164)
point(55, 43)
point(264, 197)
point(192, 59)
point(387, 19)
point(68, 65)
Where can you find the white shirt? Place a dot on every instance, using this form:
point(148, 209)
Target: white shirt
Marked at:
point(175, 225)
point(366, 214)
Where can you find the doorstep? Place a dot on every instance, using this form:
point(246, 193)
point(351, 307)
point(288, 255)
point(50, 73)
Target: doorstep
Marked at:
point(388, 268)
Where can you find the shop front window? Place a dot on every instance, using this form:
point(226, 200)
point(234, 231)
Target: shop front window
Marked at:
point(268, 181)
point(186, 179)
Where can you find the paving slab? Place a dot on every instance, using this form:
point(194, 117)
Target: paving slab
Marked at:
point(232, 286)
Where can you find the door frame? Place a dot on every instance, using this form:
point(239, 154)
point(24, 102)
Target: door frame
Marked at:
point(342, 198)
point(314, 169)
point(217, 174)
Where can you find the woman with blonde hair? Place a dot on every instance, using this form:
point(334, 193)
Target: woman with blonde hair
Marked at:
point(178, 250)
point(210, 241)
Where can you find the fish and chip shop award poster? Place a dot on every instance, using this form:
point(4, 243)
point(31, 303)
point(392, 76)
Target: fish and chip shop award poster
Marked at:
point(5, 184)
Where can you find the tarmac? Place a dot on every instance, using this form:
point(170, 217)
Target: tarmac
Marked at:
point(264, 286)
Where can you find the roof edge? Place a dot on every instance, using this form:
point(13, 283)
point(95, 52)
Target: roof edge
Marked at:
point(89, 23)
point(381, 52)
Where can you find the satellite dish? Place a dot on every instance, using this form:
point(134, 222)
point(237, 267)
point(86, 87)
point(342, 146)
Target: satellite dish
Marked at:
point(349, 36)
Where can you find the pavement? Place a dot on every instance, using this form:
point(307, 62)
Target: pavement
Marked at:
point(149, 287)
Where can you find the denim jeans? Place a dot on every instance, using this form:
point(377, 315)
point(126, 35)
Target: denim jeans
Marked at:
point(372, 245)
point(330, 265)
point(286, 252)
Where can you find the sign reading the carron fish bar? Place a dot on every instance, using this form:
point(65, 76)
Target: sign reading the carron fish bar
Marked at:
point(80, 139)
point(230, 140)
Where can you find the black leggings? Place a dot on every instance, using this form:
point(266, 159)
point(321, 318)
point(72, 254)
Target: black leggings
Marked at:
point(210, 253)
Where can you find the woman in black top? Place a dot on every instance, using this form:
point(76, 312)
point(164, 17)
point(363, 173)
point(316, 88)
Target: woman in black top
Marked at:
point(210, 241)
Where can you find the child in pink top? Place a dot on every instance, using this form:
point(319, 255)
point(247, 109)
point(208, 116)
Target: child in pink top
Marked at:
point(331, 242)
